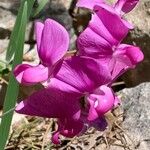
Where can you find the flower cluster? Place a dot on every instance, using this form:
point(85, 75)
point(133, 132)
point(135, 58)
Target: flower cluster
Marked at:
point(77, 89)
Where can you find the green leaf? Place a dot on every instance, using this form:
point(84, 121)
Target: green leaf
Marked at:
point(12, 44)
point(40, 7)
point(13, 87)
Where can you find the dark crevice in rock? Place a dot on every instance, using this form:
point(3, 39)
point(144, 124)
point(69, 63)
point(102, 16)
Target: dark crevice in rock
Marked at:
point(13, 9)
point(4, 33)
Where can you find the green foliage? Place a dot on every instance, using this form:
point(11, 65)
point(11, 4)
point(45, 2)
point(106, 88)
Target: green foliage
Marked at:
point(14, 54)
point(16, 46)
point(12, 44)
point(40, 7)
point(4, 68)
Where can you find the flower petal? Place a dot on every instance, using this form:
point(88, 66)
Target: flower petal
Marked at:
point(55, 137)
point(50, 103)
point(91, 44)
point(54, 82)
point(109, 25)
point(121, 64)
point(35, 74)
point(133, 52)
point(88, 3)
point(54, 42)
point(127, 24)
point(19, 70)
point(103, 99)
point(125, 6)
point(92, 115)
point(83, 73)
point(99, 123)
point(29, 75)
point(126, 57)
point(68, 128)
point(39, 26)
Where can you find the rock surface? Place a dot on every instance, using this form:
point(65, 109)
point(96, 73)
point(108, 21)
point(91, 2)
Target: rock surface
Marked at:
point(55, 9)
point(59, 11)
point(140, 36)
point(8, 11)
point(136, 106)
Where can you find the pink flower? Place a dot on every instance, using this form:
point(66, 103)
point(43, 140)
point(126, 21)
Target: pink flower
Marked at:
point(88, 3)
point(62, 98)
point(119, 9)
point(101, 101)
point(70, 127)
point(52, 44)
point(102, 38)
point(125, 6)
point(121, 6)
point(77, 90)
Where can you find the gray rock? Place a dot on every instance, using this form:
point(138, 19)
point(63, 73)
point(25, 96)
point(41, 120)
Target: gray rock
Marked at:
point(55, 9)
point(7, 20)
point(3, 45)
point(3, 48)
point(59, 11)
point(8, 12)
point(140, 36)
point(7, 4)
point(136, 106)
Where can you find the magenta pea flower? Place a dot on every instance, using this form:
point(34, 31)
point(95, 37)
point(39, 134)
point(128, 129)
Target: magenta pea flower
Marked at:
point(101, 40)
point(121, 6)
point(77, 90)
point(106, 27)
point(76, 77)
point(61, 99)
point(119, 9)
point(125, 6)
point(52, 44)
point(70, 127)
point(101, 101)
point(88, 3)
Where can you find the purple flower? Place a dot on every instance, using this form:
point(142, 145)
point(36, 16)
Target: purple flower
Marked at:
point(101, 101)
point(119, 9)
point(77, 90)
point(68, 128)
point(101, 40)
point(121, 6)
point(125, 6)
point(52, 44)
point(88, 3)
point(62, 98)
